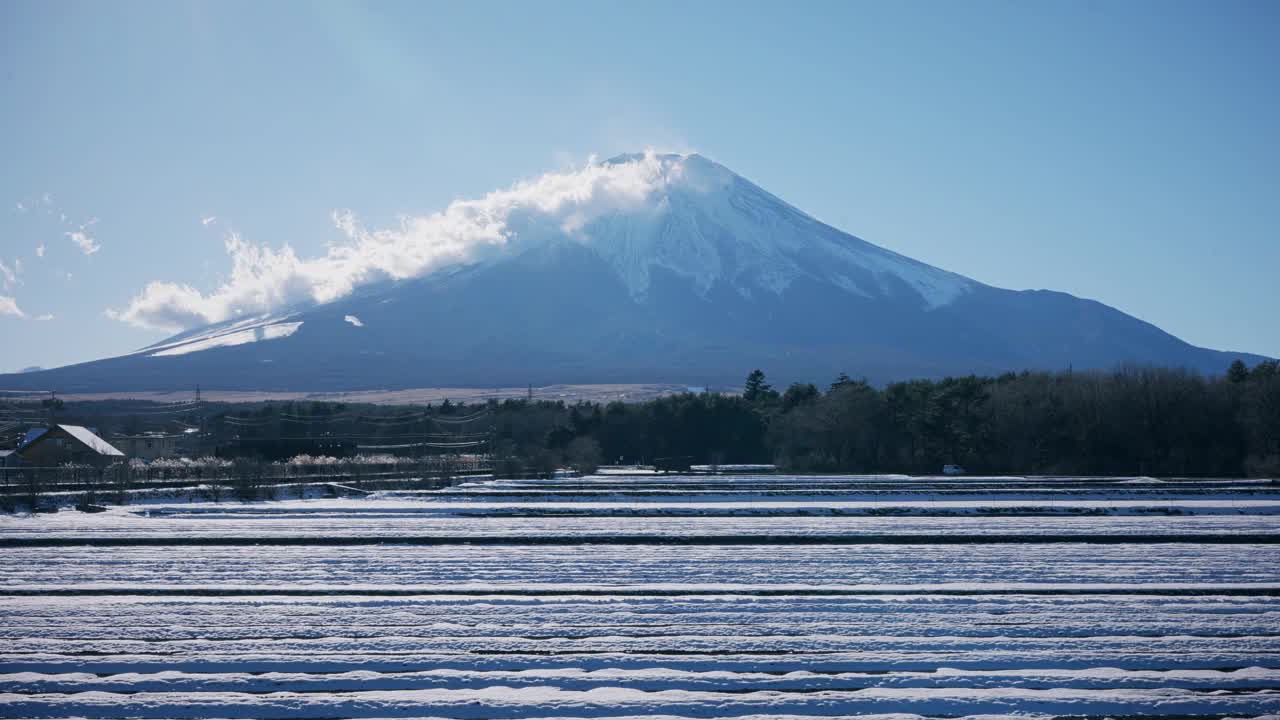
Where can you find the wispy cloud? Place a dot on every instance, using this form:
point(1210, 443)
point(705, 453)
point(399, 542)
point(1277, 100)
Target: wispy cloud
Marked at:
point(9, 307)
point(208, 220)
point(264, 279)
point(45, 317)
point(86, 242)
point(79, 234)
point(36, 202)
point(8, 276)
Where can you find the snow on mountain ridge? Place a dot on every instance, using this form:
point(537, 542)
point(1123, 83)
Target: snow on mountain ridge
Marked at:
point(703, 222)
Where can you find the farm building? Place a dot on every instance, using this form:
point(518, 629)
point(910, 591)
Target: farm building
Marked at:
point(67, 444)
point(149, 446)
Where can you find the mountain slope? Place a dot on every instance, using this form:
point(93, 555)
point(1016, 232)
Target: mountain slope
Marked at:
point(694, 275)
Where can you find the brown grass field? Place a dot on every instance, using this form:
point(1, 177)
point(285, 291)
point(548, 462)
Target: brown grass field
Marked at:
point(413, 396)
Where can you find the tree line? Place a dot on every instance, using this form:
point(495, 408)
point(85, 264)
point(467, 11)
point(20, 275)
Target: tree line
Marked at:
point(1135, 420)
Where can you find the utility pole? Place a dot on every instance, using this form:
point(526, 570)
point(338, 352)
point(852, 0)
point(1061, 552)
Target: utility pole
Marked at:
point(200, 433)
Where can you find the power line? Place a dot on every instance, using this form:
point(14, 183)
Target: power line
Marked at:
point(174, 411)
point(245, 422)
point(476, 443)
point(461, 420)
point(429, 436)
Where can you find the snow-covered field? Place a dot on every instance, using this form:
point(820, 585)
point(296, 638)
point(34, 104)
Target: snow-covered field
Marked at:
point(656, 596)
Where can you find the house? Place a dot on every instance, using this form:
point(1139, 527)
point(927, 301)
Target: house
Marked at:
point(8, 462)
point(149, 446)
point(62, 444)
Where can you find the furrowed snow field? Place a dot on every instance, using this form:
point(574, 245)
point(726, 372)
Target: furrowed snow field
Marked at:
point(654, 596)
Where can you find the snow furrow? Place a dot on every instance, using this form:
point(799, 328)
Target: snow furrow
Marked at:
point(512, 702)
point(649, 679)
point(605, 565)
point(736, 620)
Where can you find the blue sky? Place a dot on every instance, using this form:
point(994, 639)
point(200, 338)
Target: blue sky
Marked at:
point(1122, 151)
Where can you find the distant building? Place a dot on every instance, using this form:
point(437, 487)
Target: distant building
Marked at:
point(150, 446)
point(62, 444)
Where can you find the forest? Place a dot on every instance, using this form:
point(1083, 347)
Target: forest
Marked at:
point(1132, 421)
point(1135, 420)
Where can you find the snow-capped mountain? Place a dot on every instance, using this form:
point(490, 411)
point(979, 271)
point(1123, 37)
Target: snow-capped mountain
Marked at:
point(712, 227)
point(644, 268)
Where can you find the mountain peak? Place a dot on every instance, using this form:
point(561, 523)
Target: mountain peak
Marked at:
point(666, 157)
point(696, 219)
point(677, 169)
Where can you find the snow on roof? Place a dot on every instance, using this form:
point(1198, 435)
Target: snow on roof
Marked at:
point(95, 443)
point(31, 436)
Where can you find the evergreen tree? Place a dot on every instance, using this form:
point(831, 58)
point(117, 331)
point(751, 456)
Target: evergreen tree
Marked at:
point(584, 455)
point(1265, 370)
point(757, 389)
point(1238, 373)
point(799, 394)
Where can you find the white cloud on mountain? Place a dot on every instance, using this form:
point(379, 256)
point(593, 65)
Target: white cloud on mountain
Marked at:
point(264, 279)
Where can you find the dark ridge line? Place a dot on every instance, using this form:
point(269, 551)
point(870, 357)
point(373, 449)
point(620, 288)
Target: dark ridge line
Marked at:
point(27, 631)
point(872, 674)
point(1269, 591)
point(823, 512)
point(667, 654)
point(351, 689)
point(1174, 495)
point(879, 539)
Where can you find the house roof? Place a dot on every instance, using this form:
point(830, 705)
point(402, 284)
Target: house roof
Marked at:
point(84, 435)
